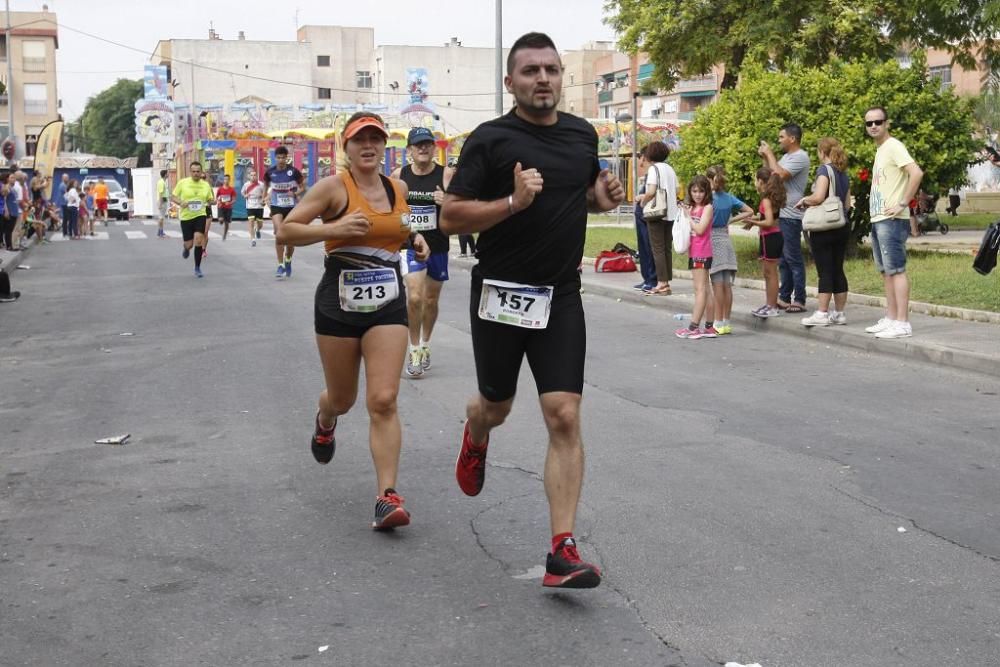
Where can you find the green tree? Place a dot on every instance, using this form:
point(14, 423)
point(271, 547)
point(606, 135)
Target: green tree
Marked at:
point(685, 38)
point(107, 125)
point(935, 124)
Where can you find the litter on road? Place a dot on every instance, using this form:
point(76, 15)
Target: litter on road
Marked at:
point(114, 440)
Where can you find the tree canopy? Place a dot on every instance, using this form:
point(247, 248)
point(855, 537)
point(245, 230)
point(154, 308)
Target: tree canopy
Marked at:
point(685, 39)
point(934, 124)
point(107, 125)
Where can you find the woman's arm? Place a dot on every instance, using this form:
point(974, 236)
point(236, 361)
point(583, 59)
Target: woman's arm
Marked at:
point(818, 195)
point(328, 194)
point(745, 214)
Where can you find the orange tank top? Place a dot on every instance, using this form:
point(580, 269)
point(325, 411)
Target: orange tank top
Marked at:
point(389, 231)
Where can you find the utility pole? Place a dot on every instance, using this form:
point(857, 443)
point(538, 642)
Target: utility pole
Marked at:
point(10, 82)
point(499, 56)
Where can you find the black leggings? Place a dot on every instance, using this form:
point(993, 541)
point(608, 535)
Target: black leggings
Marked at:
point(828, 250)
point(7, 231)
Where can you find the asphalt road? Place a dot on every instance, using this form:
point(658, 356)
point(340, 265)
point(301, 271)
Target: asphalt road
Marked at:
point(756, 498)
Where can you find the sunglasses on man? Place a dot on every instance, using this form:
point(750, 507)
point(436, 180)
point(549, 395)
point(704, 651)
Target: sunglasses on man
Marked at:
point(874, 123)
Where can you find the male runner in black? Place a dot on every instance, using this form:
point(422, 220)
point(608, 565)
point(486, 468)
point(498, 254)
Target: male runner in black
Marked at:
point(525, 182)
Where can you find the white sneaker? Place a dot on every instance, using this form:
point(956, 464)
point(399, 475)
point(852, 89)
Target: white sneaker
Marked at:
point(881, 325)
point(817, 319)
point(838, 317)
point(897, 330)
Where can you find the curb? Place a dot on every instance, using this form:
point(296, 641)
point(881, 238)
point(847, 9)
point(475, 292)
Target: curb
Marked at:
point(908, 348)
point(853, 338)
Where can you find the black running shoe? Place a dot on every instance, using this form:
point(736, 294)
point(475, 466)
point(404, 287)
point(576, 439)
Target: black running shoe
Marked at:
point(389, 512)
point(324, 443)
point(564, 569)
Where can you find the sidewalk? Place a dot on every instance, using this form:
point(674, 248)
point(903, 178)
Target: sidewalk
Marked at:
point(956, 343)
point(10, 260)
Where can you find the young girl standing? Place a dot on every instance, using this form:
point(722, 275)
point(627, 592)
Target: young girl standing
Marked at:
point(727, 209)
point(699, 203)
point(771, 242)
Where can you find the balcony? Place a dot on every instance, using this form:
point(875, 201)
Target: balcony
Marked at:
point(605, 96)
point(685, 115)
point(36, 107)
point(709, 82)
point(33, 64)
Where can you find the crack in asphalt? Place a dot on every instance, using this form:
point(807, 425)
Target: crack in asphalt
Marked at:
point(472, 525)
point(917, 526)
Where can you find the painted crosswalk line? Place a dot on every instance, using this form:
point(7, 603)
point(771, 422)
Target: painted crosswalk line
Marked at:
point(135, 234)
point(173, 233)
point(122, 223)
point(150, 223)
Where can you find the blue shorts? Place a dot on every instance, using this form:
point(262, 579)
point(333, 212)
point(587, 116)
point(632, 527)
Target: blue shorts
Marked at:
point(889, 245)
point(436, 265)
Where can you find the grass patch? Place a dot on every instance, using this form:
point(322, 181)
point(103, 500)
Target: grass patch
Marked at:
point(941, 278)
point(969, 220)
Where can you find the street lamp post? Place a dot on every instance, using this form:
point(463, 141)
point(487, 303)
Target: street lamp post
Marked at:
point(620, 117)
point(499, 57)
point(10, 83)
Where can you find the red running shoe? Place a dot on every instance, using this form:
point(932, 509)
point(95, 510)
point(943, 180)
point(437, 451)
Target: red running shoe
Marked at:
point(324, 443)
point(564, 569)
point(470, 468)
point(389, 512)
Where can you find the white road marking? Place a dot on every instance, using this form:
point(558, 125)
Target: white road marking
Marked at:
point(135, 234)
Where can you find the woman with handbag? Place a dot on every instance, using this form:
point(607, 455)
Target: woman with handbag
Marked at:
point(830, 245)
point(659, 207)
point(646, 266)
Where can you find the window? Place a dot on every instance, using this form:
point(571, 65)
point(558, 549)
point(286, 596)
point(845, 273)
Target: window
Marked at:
point(36, 99)
point(322, 61)
point(364, 79)
point(943, 74)
point(324, 93)
point(33, 54)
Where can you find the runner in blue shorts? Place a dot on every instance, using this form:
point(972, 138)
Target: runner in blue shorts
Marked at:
point(424, 280)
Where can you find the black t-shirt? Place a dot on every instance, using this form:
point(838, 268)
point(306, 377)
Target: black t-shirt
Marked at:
point(543, 244)
point(422, 194)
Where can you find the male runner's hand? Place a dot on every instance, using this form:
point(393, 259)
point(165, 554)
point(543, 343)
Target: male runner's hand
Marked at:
point(420, 248)
point(609, 186)
point(527, 184)
point(352, 225)
point(438, 196)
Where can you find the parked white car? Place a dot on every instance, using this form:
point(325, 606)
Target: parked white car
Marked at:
point(118, 207)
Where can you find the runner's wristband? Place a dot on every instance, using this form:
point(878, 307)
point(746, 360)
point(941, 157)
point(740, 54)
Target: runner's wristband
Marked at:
point(510, 204)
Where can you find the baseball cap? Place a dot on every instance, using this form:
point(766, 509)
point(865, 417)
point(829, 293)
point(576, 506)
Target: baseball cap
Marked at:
point(418, 135)
point(365, 121)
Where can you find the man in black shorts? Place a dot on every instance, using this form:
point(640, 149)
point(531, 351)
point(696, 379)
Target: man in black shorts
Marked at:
point(194, 196)
point(525, 182)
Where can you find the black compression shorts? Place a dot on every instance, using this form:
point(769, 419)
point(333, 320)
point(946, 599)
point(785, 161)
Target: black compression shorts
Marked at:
point(328, 316)
point(192, 226)
point(556, 354)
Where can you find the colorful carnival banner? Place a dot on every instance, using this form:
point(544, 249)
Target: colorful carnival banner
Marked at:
point(154, 121)
point(155, 82)
point(47, 151)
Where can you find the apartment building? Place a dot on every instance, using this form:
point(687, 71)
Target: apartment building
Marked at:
point(31, 94)
point(325, 64)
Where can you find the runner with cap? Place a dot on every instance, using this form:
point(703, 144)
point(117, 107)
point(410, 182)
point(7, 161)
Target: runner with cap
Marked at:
point(426, 181)
point(360, 303)
point(284, 186)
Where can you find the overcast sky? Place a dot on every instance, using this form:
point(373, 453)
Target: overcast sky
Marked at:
point(87, 65)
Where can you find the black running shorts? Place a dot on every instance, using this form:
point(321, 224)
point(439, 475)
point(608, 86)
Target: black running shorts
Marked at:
point(255, 213)
point(328, 317)
point(283, 211)
point(225, 214)
point(190, 227)
point(556, 354)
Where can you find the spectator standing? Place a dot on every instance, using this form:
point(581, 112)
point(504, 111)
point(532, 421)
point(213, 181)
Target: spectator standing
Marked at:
point(71, 220)
point(830, 247)
point(895, 181)
point(60, 194)
point(646, 266)
point(726, 209)
point(793, 170)
point(100, 193)
point(661, 175)
point(699, 203)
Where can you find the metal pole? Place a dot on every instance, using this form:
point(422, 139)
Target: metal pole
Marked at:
point(635, 146)
point(618, 168)
point(10, 82)
point(499, 56)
